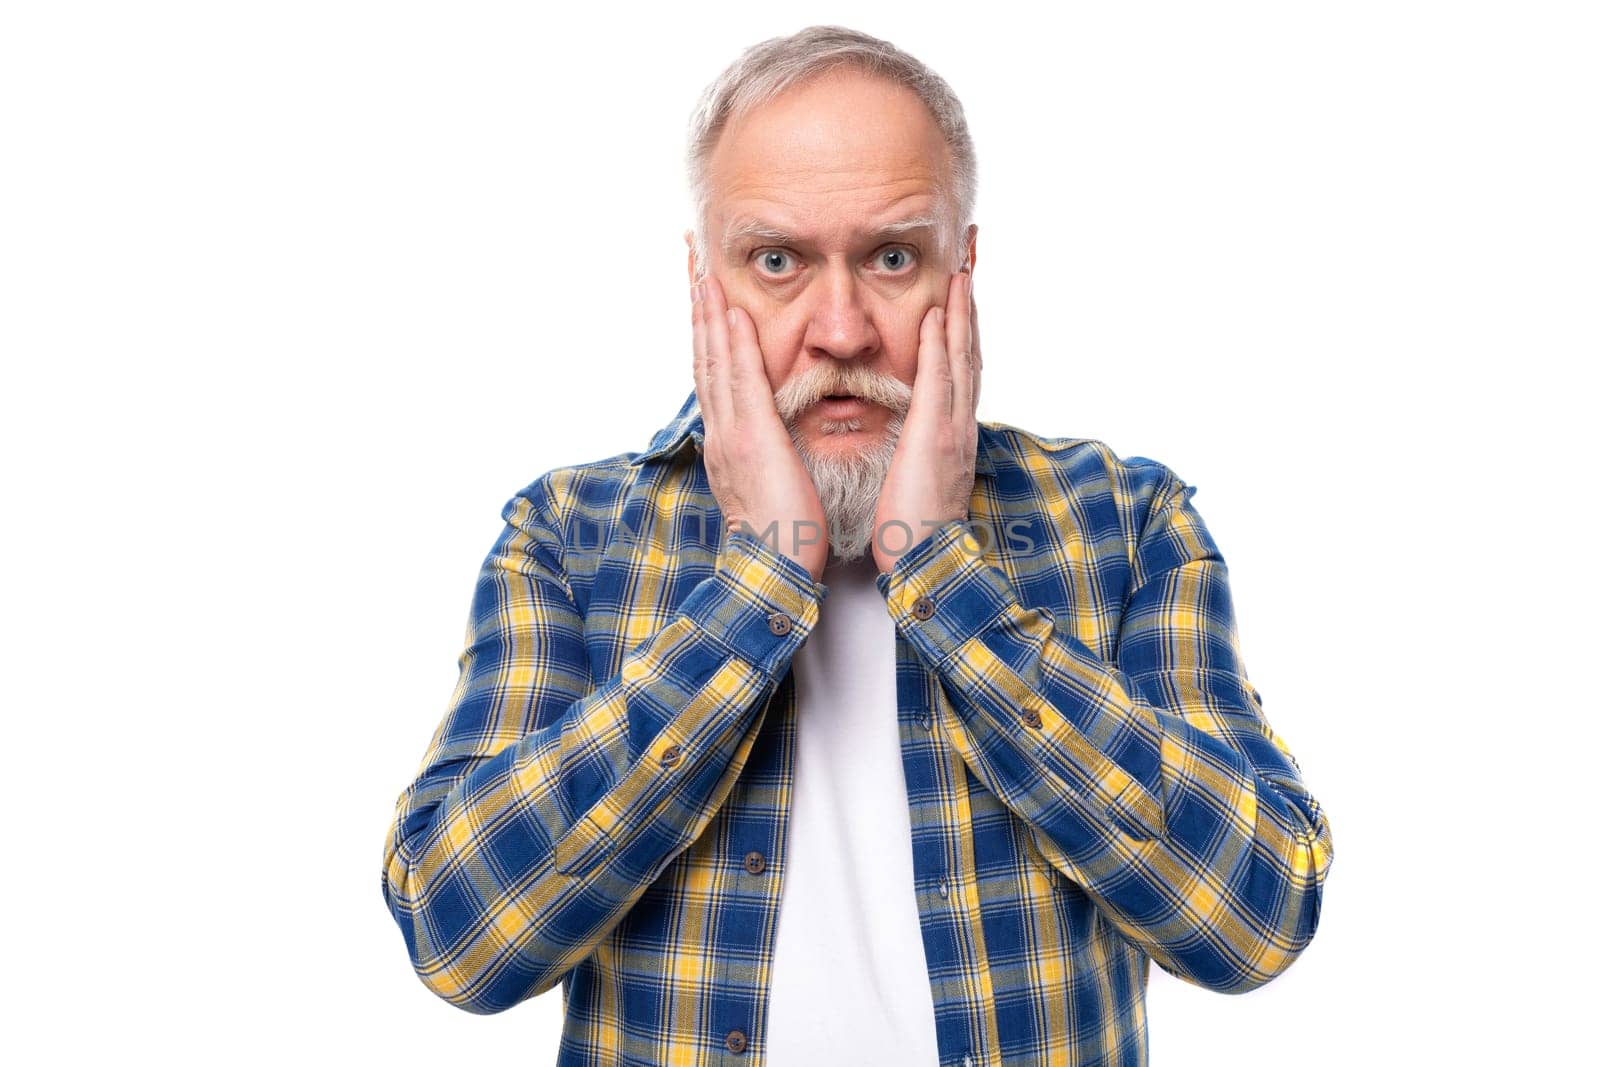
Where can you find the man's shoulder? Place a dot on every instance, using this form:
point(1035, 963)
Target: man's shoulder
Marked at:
point(1075, 466)
point(591, 490)
point(1112, 503)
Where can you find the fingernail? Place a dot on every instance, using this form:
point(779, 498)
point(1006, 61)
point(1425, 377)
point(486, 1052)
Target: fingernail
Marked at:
point(733, 320)
point(694, 293)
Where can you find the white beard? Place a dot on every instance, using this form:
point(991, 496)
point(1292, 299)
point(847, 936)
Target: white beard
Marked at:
point(848, 486)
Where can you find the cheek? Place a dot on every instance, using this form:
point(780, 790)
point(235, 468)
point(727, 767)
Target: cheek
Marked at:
point(780, 347)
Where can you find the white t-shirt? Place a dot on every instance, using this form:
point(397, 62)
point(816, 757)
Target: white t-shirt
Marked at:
point(849, 980)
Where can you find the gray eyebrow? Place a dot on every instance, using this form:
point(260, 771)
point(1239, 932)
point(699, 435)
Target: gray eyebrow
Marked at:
point(768, 232)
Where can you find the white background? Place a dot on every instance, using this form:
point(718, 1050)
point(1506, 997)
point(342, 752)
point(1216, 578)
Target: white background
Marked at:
point(294, 296)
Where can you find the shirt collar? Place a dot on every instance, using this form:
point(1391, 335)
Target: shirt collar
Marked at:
point(687, 423)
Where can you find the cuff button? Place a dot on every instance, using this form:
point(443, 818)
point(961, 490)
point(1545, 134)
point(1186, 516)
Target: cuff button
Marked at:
point(779, 623)
point(922, 608)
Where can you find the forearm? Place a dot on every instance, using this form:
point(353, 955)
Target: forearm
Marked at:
point(506, 871)
point(1201, 844)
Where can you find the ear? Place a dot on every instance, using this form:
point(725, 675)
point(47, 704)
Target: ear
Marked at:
point(969, 252)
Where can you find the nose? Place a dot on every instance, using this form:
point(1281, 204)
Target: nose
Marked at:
point(839, 325)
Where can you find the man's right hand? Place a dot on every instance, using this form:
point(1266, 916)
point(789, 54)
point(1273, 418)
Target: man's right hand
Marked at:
point(755, 472)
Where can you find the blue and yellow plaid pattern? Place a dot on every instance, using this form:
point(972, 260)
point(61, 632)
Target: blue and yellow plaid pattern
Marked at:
point(1092, 782)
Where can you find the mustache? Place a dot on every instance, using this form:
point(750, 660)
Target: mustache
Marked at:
point(851, 379)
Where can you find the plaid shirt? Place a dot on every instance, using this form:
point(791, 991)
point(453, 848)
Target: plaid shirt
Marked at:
point(1091, 780)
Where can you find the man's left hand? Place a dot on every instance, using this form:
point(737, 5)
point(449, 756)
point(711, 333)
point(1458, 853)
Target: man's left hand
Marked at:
point(930, 478)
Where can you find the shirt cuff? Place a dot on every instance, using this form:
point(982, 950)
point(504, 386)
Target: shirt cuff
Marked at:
point(760, 603)
point(942, 593)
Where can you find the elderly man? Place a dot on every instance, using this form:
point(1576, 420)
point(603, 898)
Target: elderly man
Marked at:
point(838, 726)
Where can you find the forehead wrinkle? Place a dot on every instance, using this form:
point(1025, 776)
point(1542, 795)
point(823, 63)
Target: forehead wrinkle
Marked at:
point(744, 227)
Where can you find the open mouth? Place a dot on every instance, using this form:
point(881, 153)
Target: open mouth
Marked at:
point(842, 405)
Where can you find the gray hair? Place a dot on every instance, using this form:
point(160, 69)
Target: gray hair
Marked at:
point(766, 69)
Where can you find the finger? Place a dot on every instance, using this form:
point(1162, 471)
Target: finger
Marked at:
point(751, 390)
point(717, 358)
point(958, 341)
point(978, 351)
point(738, 367)
point(931, 389)
point(702, 381)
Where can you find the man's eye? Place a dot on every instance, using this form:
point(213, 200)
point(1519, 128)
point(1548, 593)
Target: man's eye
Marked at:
point(772, 260)
point(896, 258)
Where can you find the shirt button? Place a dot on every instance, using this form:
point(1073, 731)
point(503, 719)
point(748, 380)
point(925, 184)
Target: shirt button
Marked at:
point(736, 1041)
point(779, 623)
point(670, 754)
point(755, 862)
point(926, 720)
point(922, 608)
point(1031, 717)
point(966, 1061)
point(944, 889)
